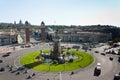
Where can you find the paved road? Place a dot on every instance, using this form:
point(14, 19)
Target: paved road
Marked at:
point(109, 68)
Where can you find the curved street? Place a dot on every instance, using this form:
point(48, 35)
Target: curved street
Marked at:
point(108, 68)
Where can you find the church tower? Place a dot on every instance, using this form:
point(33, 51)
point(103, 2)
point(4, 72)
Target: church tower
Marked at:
point(27, 32)
point(43, 36)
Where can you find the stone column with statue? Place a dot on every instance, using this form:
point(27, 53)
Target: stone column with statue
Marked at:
point(56, 45)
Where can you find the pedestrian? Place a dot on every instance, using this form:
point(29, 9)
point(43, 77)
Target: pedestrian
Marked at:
point(25, 72)
point(72, 73)
point(8, 66)
point(33, 74)
point(10, 69)
point(28, 77)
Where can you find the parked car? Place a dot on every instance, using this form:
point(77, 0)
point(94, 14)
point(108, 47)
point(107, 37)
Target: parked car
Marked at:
point(96, 51)
point(2, 69)
point(17, 73)
point(20, 68)
point(103, 54)
point(22, 46)
point(111, 58)
point(98, 64)
point(117, 77)
point(27, 45)
point(28, 77)
point(75, 47)
point(1, 61)
point(5, 55)
point(8, 53)
point(119, 59)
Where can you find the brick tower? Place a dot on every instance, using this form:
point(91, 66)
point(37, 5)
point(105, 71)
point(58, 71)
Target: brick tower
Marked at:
point(27, 32)
point(43, 36)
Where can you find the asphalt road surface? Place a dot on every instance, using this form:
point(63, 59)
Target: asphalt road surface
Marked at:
point(108, 68)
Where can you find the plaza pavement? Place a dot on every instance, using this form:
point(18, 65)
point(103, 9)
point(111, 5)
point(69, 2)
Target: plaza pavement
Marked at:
point(109, 68)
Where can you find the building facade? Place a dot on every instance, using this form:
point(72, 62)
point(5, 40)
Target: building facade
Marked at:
point(83, 36)
point(7, 38)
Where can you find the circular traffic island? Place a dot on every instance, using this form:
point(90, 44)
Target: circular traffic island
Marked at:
point(71, 60)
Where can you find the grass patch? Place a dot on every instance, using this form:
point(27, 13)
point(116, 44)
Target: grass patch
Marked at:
point(29, 61)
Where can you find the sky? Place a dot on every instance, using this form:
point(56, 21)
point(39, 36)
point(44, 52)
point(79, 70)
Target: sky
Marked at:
point(61, 12)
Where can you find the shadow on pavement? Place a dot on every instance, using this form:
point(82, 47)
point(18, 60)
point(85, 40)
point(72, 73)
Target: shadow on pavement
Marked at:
point(32, 65)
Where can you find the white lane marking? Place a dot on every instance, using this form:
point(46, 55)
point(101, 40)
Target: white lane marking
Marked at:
point(18, 58)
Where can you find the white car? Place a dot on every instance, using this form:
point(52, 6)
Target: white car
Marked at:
point(98, 64)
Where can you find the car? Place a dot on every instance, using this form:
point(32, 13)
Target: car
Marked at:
point(119, 59)
point(1, 61)
point(103, 54)
point(111, 58)
point(96, 51)
point(117, 77)
point(20, 68)
point(33, 74)
point(5, 55)
point(63, 47)
point(97, 71)
point(75, 47)
point(98, 64)
point(28, 77)
point(108, 52)
point(8, 53)
point(90, 49)
point(22, 46)
point(25, 71)
point(50, 44)
point(2, 69)
point(17, 73)
point(27, 45)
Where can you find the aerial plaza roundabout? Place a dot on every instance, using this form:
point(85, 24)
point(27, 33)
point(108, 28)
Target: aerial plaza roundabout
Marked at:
point(57, 60)
point(71, 60)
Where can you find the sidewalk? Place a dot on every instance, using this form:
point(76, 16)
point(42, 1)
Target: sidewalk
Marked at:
point(4, 49)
